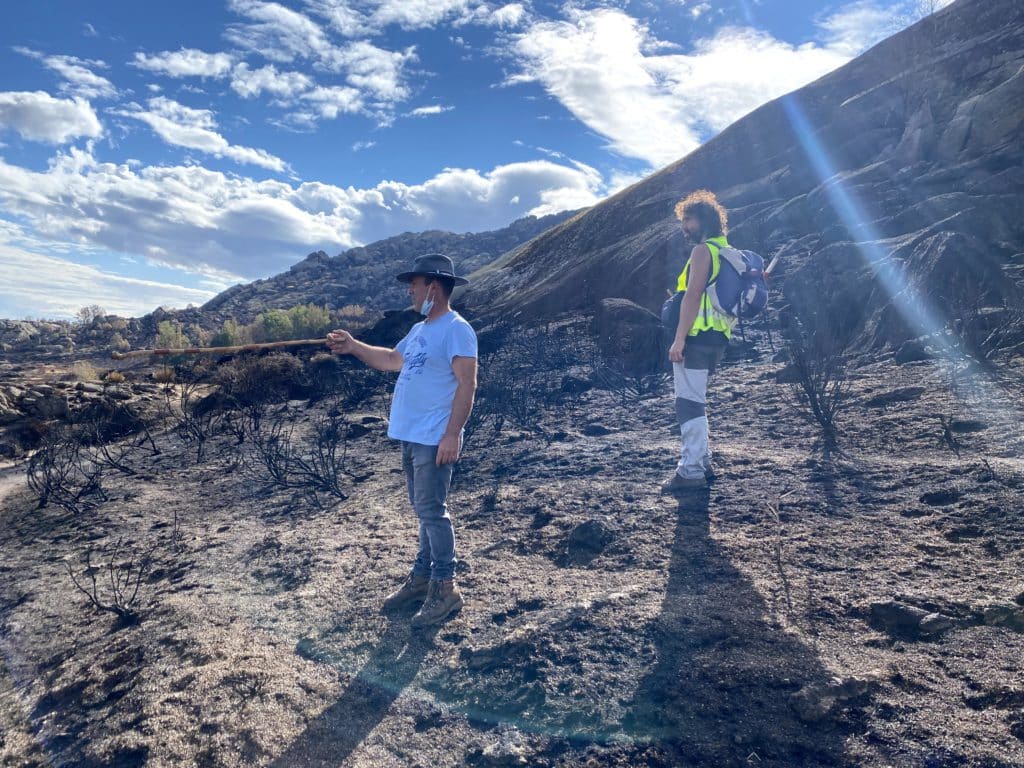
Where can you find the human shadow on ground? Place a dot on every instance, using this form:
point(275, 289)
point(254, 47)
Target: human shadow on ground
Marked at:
point(338, 730)
point(720, 691)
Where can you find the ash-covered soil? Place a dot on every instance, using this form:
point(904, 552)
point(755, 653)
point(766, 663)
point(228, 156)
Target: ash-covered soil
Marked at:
point(862, 611)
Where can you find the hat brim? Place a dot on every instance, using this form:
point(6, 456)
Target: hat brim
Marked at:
point(406, 277)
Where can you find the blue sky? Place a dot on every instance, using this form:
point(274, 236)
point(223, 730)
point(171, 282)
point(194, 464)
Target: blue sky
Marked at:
point(155, 154)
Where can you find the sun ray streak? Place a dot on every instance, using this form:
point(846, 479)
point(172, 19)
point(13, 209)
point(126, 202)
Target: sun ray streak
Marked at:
point(913, 306)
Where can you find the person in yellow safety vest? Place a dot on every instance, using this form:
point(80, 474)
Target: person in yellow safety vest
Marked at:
point(700, 337)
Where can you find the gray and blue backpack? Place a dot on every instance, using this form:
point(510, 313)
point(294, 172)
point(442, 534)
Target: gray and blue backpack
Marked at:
point(740, 290)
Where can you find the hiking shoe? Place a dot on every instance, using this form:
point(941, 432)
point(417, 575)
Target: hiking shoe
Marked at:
point(679, 483)
point(442, 599)
point(414, 588)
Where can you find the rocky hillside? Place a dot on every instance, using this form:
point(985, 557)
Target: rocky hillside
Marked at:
point(896, 176)
point(366, 275)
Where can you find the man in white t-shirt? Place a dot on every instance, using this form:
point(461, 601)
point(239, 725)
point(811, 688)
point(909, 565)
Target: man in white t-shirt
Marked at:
point(431, 404)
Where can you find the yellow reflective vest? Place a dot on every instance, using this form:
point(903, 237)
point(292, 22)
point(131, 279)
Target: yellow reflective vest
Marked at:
point(708, 318)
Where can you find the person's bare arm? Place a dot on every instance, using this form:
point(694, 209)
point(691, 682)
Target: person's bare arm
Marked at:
point(696, 282)
point(450, 446)
point(383, 359)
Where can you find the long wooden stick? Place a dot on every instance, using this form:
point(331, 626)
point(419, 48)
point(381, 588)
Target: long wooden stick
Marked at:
point(218, 350)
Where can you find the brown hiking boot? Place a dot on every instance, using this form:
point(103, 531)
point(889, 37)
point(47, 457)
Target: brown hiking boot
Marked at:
point(414, 588)
point(442, 599)
point(678, 484)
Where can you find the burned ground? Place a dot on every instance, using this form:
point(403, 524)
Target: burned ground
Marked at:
point(863, 610)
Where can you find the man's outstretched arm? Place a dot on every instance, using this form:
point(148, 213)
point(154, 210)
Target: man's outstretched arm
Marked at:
point(383, 359)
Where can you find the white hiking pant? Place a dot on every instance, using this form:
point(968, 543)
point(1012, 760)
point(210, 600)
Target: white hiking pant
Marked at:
point(690, 384)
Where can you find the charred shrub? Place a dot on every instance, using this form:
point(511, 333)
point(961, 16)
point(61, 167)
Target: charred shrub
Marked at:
point(250, 384)
point(115, 434)
point(310, 458)
point(817, 375)
point(628, 354)
point(325, 374)
point(111, 577)
point(520, 376)
point(64, 472)
point(196, 420)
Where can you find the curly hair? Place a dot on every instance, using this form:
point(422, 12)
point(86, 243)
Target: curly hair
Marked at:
point(704, 206)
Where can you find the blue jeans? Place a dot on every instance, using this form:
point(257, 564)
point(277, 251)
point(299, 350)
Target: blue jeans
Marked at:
point(428, 493)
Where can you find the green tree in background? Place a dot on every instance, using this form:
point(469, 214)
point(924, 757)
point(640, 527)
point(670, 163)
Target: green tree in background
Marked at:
point(231, 334)
point(309, 321)
point(272, 325)
point(169, 335)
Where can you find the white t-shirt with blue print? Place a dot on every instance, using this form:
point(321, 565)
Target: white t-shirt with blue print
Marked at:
point(422, 403)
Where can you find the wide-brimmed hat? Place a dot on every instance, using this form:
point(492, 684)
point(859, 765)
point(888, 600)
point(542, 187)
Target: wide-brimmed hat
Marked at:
point(433, 265)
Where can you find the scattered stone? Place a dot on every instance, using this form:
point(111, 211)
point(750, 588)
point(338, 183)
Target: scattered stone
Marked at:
point(85, 386)
point(357, 430)
point(963, 532)
point(814, 703)
point(787, 375)
point(967, 425)
point(914, 512)
point(1009, 615)
point(46, 407)
point(940, 498)
point(586, 541)
point(896, 619)
point(901, 395)
point(911, 352)
point(596, 429)
point(934, 624)
point(574, 385)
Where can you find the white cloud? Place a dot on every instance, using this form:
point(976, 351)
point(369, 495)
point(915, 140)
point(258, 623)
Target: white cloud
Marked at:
point(38, 116)
point(275, 32)
point(51, 287)
point(359, 146)
point(603, 66)
point(858, 26)
point(184, 126)
point(373, 70)
point(329, 102)
point(699, 10)
point(417, 14)
point(594, 66)
point(187, 62)
point(341, 16)
point(360, 19)
point(249, 83)
point(79, 79)
point(433, 109)
point(284, 35)
point(229, 226)
point(855, 27)
point(88, 30)
point(511, 15)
